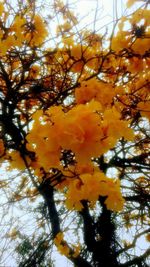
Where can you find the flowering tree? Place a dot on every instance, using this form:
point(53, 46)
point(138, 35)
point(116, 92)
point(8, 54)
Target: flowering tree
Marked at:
point(75, 110)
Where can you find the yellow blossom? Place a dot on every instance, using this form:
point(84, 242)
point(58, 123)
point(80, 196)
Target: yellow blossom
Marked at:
point(77, 250)
point(34, 71)
point(121, 41)
point(1, 8)
point(96, 90)
point(16, 160)
point(144, 108)
point(130, 3)
point(18, 25)
point(115, 202)
point(90, 187)
point(147, 237)
point(61, 244)
point(39, 33)
point(141, 45)
point(2, 148)
point(78, 136)
point(114, 127)
point(13, 234)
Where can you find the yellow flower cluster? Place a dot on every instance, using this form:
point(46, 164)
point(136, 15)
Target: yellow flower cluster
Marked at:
point(18, 29)
point(130, 3)
point(63, 248)
point(34, 71)
point(38, 35)
point(147, 237)
point(136, 37)
point(2, 148)
point(16, 161)
point(97, 90)
point(77, 130)
point(81, 130)
point(31, 31)
point(139, 15)
point(76, 55)
point(115, 127)
point(13, 234)
point(90, 187)
point(1, 9)
point(61, 245)
point(144, 108)
point(121, 41)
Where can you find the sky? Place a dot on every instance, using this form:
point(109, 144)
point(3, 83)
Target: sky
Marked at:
point(108, 11)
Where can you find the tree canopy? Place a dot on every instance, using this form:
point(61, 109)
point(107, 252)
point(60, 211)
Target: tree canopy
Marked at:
point(74, 135)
